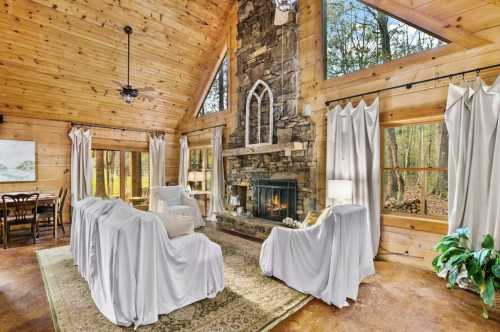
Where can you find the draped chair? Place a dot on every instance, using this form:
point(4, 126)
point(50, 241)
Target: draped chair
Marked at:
point(19, 209)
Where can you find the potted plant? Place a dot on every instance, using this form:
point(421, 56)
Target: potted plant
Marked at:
point(475, 270)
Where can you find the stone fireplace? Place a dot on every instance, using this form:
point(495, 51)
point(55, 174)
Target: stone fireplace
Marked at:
point(258, 159)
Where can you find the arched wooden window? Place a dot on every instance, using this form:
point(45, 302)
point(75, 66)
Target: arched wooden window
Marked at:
point(259, 115)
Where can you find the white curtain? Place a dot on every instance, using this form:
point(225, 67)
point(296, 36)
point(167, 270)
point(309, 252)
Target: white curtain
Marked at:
point(184, 162)
point(81, 164)
point(156, 161)
point(353, 153)
point(217, 192)
point(472, 118)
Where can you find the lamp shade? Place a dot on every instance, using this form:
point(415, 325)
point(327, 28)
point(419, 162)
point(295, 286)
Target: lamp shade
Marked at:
point(340, 191)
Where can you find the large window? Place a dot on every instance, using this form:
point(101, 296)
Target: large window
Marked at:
point(358, 36)
point(121, 174)
point(200, 169)
point(415, 173)
point(216, 98)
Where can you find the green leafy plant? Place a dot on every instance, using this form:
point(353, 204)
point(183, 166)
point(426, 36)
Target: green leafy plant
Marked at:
point(477, 270)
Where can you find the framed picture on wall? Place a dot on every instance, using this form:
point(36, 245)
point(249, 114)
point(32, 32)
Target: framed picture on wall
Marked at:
point(17, 161)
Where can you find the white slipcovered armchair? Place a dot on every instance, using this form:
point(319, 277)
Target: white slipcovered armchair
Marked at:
point(174, 200)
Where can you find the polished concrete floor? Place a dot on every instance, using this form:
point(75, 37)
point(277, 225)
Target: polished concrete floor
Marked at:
point(398, 298)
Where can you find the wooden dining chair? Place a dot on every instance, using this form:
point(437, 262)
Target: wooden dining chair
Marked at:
point(19, 209)
point(60, 211)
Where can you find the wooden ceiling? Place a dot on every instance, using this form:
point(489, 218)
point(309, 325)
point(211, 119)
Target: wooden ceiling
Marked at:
point(58, 58)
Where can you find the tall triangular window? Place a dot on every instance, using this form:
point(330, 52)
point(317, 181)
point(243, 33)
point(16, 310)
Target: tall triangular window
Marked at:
point(358, 36)
point(216, 98)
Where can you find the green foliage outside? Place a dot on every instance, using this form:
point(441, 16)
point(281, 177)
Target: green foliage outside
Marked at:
point(359, 36)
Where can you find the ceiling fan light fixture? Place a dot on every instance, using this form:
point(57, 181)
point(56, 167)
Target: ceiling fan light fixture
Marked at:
point(129, 94)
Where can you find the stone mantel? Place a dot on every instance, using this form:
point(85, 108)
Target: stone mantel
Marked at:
point(265, 148)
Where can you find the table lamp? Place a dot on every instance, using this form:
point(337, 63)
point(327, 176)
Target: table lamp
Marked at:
point(340, 192)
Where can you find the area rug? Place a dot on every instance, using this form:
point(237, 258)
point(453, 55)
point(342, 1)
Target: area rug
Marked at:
point(249, 302)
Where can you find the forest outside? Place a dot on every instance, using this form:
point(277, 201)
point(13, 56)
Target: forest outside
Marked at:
point(107, 175)
point(415, 174)
point(358, 36)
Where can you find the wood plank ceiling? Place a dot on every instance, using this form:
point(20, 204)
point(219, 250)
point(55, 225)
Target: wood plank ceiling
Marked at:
point(58, 58)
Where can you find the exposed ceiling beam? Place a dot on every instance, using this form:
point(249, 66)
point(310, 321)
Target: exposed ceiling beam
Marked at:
point(446, 30)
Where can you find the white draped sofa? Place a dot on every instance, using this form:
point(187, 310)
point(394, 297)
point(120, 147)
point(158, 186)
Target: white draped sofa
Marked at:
point(327, 260)
point(135, 272)
point(174, 200)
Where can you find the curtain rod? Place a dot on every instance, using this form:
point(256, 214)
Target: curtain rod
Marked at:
point(202, 129)
point(411, 84)
point(84, 124)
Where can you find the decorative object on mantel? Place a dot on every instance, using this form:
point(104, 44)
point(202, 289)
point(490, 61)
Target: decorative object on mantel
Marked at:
point(127, 92)
point(474, 270)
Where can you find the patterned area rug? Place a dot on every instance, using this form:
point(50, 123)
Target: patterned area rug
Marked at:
point(249, 302)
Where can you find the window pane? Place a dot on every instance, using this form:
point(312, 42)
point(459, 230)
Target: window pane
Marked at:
point(416, 146)
point(437, 194)
point(195, 161)
point(209, 158)
point(208, 180)
point(106, 178)
point(359, 36)
point(216, 98)
point(137, 177)
point(403, 191)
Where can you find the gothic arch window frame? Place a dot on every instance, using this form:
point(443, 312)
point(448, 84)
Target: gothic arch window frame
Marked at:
point(253, 94)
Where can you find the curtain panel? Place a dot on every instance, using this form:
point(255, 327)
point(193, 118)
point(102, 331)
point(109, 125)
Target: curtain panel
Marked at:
point(217, 192)
point(183, 161)
point(156, 164)
point(472, 119)
point(81, 164)
point(353, 153)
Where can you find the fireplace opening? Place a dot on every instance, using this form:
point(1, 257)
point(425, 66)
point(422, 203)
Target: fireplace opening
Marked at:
point(275, 199)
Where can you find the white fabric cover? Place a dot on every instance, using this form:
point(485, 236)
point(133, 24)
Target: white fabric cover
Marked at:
point(217, 192)
point(81, 164)
point(177, 225)
point(353, 153)
point(327, 260)
point(183, 161)
point(473, 122)
point(156, 162)
point(134, 270)
point(174, 200)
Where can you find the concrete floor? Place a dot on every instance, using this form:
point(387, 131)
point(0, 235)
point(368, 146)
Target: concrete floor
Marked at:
point(398, 298)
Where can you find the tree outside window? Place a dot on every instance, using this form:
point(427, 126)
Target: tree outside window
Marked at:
point(415, 170)
point(358, 36)
point(216, 98)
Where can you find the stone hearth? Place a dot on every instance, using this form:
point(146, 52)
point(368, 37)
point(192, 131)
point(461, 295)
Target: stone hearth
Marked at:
point(250, 226)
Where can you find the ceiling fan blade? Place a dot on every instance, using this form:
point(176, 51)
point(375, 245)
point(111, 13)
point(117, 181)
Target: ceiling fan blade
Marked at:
point(146, 89)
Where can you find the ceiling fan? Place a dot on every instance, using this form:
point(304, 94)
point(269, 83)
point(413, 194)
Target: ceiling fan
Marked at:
point(127, 92)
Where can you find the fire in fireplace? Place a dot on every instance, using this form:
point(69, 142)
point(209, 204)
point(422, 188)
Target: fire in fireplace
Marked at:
point(275, 199)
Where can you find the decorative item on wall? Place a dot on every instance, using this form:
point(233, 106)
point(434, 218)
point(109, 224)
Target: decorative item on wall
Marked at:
point(17, 161)
point(127, 92)
point(257, 121)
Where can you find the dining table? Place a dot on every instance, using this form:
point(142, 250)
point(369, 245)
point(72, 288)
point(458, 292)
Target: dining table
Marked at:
point(44, 199)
